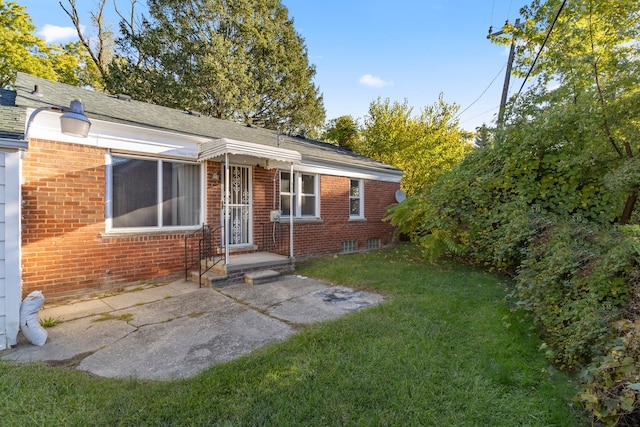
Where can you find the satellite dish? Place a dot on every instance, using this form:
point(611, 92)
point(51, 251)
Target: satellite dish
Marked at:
point(400, 196)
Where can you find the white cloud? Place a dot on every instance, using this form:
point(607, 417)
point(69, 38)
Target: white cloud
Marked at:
point(370, 80)
point(54, 34)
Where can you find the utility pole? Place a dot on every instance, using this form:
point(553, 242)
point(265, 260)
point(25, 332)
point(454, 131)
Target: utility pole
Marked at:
point(507, 76)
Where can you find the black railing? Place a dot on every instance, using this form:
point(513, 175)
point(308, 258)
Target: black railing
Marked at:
point(202, 246)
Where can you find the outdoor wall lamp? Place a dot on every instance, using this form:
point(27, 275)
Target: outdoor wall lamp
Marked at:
point(72, 122)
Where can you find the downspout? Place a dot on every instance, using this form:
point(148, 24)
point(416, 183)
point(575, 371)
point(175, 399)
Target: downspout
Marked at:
point(226, 209)
point(291, 208)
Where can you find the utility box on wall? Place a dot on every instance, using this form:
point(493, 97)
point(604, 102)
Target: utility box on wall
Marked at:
point(275, 216)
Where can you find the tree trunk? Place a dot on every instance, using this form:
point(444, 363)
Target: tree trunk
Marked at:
point(628, 208)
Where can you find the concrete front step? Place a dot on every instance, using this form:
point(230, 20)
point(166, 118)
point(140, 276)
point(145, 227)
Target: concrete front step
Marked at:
point(210, 278)
point(261, 276)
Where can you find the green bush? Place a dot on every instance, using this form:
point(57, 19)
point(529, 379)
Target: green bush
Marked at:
point(612, 381)
point(576, 282)
point(573, 265)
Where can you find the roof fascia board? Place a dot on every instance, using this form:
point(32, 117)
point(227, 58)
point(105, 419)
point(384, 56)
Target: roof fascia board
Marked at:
point(119, 137)
point(328, 167)
point(13, 144)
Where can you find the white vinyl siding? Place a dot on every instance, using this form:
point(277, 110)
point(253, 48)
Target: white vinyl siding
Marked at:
point(3, 285)
point(9, 247)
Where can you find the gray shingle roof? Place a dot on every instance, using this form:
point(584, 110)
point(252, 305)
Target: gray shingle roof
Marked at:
point(11, 119)
point(109, 108)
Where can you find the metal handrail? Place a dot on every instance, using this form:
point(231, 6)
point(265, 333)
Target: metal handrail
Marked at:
point(206, 250)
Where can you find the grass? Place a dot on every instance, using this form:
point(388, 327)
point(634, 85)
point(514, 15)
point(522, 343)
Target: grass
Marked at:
point(49, 322)
point(125, 317)
point(443, 350)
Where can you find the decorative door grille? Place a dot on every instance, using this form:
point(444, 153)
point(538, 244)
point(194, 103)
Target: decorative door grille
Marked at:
point(240, 224)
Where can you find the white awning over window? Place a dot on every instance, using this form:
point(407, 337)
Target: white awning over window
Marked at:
point(248, 153)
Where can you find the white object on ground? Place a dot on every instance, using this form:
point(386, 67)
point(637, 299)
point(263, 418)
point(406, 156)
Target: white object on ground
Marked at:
point(29, 323)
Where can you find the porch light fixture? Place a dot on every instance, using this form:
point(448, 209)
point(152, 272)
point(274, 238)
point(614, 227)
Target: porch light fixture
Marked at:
point(72, 122)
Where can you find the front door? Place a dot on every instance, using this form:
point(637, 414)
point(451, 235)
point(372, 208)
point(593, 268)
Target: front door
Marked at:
point(239, 227)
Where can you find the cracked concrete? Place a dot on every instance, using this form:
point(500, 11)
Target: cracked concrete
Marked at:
point(177, 330)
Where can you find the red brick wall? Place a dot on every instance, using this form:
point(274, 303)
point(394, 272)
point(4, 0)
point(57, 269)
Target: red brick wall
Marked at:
point(325, 235)
point(64, 250)
point(214, 193)
point(263, 204)
point(66, 253)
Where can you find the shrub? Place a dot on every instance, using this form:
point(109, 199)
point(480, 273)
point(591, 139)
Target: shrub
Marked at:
point(576, 283)
point(612, 381)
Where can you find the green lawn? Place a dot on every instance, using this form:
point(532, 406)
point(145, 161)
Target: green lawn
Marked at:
point(443, 350)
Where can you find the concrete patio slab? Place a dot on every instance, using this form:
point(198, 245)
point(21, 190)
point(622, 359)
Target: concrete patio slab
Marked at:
point(137, 297)
point(74, 310)
point(178, 329)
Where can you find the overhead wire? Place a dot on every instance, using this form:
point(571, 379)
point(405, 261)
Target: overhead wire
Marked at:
point(480, 115)
point(483, 92)
point(493, 6)
point(541, 47)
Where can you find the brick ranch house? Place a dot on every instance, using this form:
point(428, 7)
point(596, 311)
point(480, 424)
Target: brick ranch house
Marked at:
point(115, 207)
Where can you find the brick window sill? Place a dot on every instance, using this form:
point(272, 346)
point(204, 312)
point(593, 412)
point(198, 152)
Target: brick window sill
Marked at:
point(285, 221)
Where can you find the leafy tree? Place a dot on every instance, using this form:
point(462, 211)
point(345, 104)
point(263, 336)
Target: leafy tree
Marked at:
point(568, 147)
point(73, 66)
point(343, 131)
point(589, 69)
point(21, 50)
point(241, 61)
point(551, 198)
point(423, 146)
point(484, 136)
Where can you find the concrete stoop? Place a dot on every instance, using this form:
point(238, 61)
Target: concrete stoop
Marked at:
point(210, 278)
point(261, 276)
point(252, 268)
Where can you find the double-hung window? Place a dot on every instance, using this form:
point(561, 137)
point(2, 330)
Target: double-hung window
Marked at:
point(356, 207)
point(305, 195)
point(154, 193)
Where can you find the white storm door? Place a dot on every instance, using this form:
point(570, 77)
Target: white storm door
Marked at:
point(239, 228)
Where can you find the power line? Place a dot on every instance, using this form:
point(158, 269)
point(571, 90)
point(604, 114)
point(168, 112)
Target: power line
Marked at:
point(483, 92)
point(479, 115)
point(507, 75)
point(542, 46)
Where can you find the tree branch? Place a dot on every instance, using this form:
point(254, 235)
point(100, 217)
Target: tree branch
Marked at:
point(601, 98)
point(75, 19)
point(129, 25)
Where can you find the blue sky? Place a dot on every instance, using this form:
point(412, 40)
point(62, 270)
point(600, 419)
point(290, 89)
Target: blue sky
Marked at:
point(365, 49)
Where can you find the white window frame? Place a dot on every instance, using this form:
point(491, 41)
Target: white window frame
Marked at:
point(359, 197)
point(160, 227)
point(297, 186)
